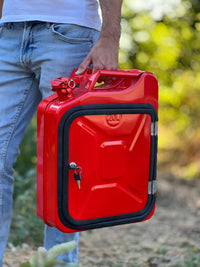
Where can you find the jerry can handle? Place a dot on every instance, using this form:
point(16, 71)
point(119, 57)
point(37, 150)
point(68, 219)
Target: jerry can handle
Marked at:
point(94, 77)
point(64, 86)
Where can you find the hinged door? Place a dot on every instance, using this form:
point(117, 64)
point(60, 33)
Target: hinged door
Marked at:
point(108, 164)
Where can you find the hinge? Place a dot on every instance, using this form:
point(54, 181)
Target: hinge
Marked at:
point(154, 128)
point(152, 187)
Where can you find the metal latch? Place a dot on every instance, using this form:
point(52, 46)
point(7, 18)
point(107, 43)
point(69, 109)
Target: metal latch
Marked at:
point(77, 173)
point(152, 187)
point(154, 128)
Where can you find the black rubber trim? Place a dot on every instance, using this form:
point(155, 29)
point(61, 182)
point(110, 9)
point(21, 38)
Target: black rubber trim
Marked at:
point(63, 136)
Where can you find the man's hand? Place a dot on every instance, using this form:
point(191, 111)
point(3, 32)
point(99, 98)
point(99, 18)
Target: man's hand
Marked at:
point(104, 54)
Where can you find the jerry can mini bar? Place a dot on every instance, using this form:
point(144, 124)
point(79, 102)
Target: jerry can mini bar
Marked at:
point(97, 150)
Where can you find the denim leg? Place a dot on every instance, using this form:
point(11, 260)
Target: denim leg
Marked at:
point(54, 236)
point(32, 54)
point(71, 44)
point(16, 113)
point(19, 98)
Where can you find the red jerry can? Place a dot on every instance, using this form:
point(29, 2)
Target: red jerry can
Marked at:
point(97, 150)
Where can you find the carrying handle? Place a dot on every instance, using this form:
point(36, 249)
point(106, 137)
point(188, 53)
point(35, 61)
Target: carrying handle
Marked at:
point(114, 74)
point(94, 77)
point(87, 80)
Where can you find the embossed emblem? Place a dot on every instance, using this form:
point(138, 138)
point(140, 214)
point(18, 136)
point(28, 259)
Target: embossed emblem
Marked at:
point(113, 120)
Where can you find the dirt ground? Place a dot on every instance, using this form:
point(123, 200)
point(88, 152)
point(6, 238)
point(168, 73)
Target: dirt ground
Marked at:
point(170, 238)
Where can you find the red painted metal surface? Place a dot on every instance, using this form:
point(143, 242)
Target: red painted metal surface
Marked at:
point(113, 150)
point(107, 154)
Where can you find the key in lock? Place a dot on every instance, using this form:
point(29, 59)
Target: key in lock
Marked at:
point(77, 173)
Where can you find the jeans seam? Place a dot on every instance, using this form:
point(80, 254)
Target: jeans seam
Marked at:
point(27, 34)
point(22, 47)
point(7, 142)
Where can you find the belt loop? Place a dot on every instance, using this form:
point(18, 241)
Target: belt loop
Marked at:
point(9, 25)
point(48, 25)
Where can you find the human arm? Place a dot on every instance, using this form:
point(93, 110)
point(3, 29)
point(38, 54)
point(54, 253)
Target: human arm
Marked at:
point(1, 7)
point(104, 54)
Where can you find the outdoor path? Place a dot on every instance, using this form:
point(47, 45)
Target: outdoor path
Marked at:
point(170, 238)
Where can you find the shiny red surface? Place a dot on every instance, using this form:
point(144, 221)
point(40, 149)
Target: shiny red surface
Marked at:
point(115, 165)
point(106, 148)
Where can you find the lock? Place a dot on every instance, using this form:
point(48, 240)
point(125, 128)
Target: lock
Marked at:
point(77, 173)
point(73, 166)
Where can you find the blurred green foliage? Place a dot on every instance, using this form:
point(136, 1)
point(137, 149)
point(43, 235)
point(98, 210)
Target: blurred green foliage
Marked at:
point(26, 226)
point(170, 48)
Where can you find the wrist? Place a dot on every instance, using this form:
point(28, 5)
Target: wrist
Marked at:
point(111, 19)
point(112, 33)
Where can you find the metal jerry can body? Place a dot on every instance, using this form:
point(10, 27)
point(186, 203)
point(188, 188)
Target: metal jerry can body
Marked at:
point(97, 150)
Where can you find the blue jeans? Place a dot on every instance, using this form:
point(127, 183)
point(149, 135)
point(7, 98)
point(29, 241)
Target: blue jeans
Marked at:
point(32, 54)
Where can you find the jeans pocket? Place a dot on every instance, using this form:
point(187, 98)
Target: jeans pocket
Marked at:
point(73, 34)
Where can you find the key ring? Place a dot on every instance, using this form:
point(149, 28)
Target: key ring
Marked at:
point(71, 84)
